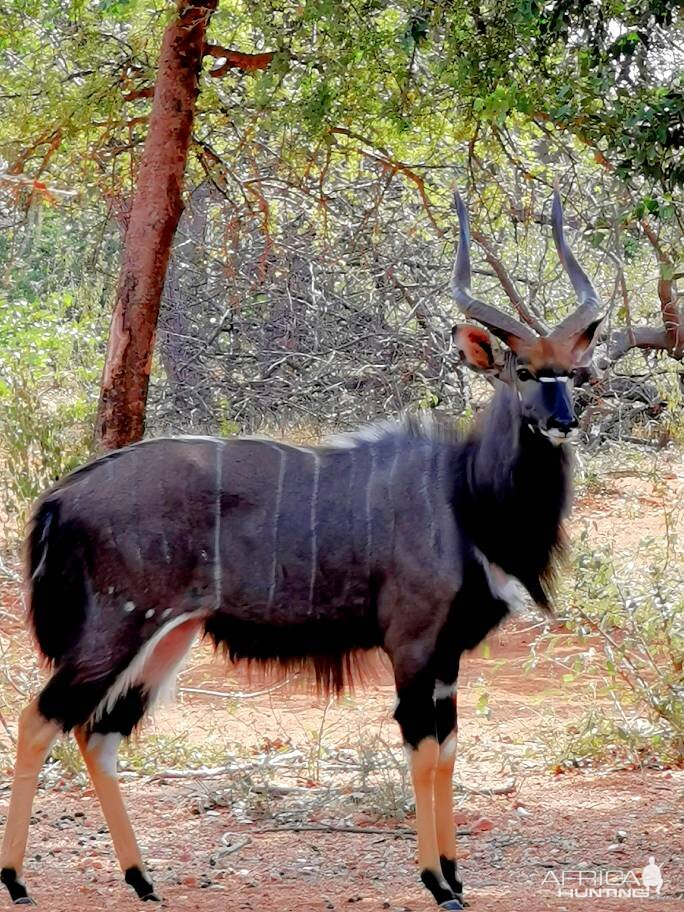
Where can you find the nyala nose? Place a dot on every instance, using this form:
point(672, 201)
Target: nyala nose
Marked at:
point(565, 424)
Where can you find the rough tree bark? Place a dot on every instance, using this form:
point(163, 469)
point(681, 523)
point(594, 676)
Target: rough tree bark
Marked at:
point(156, 208)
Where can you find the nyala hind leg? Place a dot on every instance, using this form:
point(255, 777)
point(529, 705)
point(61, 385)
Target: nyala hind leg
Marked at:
point(36, 736)
point(99, 744)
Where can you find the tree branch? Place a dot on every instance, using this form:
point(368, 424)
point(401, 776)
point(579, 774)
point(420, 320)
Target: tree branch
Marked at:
point(246, 63)
point(395, 166)
point(135, 94)
point(645, 337)
point(509, 288)
point(673, 321)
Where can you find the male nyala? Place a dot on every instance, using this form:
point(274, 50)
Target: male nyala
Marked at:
point(405, 539)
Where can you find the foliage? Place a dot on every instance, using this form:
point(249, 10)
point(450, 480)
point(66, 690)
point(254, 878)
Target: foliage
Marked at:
point(319, 277)
point(48, 370)
point(608, 73)
point(627, 611)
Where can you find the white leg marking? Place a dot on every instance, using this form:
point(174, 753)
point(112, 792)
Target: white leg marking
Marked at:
point(314, 506)
point(444, 691)
point(218, 566)
point(133, 673)
point(106, 748)
point(276, 519)
point(447, 749)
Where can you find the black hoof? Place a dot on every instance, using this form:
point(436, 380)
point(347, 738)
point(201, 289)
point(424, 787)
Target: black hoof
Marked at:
point(15, 888)
point(450, 873)
point(439, 888)
point(135, 878)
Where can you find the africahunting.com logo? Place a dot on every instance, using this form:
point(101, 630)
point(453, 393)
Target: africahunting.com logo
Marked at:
point(606, 883)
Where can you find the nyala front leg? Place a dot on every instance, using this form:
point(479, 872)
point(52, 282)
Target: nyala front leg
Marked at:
point(416, 716)
point(446, 718)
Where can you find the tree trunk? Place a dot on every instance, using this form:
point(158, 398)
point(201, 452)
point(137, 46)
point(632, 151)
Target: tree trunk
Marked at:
point(156, 208)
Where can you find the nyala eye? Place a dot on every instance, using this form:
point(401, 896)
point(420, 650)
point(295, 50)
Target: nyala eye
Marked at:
point(524, 374)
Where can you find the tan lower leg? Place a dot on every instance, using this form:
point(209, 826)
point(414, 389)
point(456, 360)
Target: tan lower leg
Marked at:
point(35, 737)
point(424, 760)
point(101, 766)
point(444, 800)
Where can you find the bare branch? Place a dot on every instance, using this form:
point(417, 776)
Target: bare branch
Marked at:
point(537, 324)
point(644, 337)
point(673, 320)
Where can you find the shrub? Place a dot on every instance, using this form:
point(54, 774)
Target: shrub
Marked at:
point(627, 609)
point(49, 365)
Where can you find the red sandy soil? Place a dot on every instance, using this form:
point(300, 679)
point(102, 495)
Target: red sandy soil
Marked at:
point(510, 843)
point(588, 819)
point(572, 821)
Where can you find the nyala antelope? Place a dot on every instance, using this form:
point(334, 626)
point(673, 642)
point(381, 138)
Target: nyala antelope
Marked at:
point(404, 539)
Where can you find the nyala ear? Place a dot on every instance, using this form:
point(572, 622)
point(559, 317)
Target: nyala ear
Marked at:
point(584, 342)
point(478, 348)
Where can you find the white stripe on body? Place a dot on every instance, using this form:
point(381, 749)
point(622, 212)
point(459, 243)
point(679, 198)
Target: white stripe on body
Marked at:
point(314, 540)
point(390, 491)
point(110, 528)
point(136, 523)
point(276, 519)
point(350, 504)
point(369, 511)
point(165, 541)
point(428, 500)
point(218, 566)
